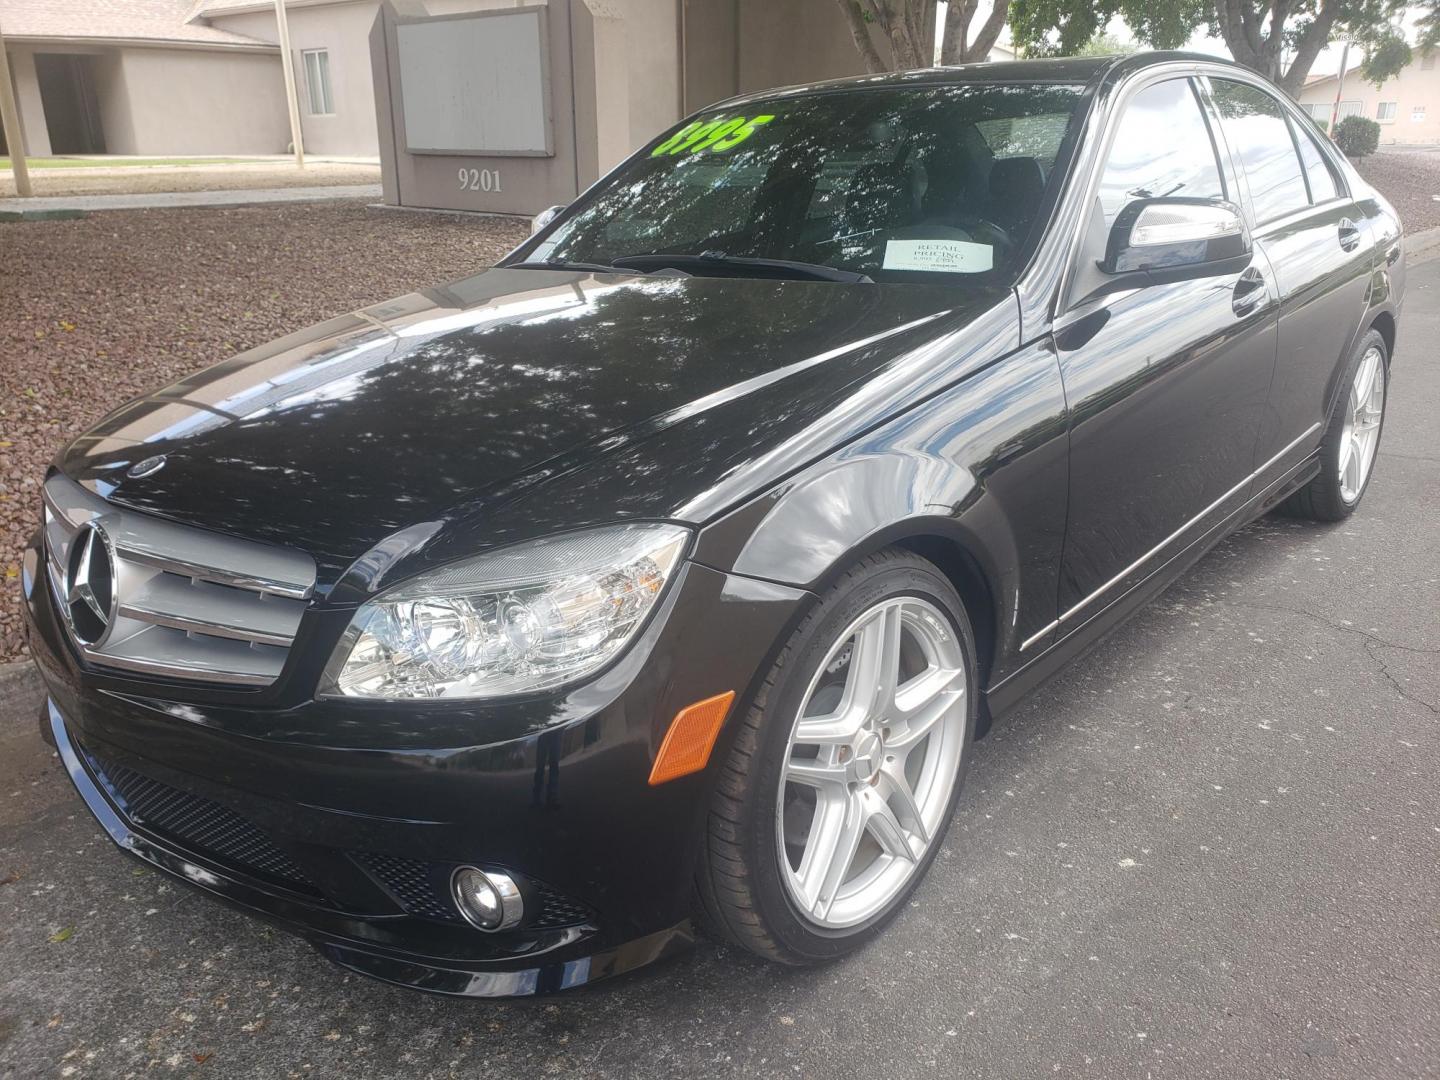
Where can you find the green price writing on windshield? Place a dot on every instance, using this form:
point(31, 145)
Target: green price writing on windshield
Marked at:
point(713, 135)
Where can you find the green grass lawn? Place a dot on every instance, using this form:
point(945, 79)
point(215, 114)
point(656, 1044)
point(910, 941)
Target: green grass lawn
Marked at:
point(118, 163)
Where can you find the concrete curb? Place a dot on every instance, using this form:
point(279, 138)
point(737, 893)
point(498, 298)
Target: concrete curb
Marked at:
point(1422, 246)
point(33, 207)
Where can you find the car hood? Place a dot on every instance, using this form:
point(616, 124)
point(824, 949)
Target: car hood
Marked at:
point(429, 408)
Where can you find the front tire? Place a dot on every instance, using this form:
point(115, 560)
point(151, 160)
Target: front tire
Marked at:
point(1351, 440)
point(839, 786)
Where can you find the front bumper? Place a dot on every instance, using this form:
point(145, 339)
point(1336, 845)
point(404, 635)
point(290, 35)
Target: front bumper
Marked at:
point(340, 821)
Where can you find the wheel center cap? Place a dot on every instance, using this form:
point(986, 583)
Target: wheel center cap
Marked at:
point(867, 755)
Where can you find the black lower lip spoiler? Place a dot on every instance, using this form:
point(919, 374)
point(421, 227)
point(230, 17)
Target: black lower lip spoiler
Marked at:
point(432, 974)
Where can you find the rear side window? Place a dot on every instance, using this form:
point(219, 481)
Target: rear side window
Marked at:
point(1317, 171)
point(1162, 147)
point(1258, 134)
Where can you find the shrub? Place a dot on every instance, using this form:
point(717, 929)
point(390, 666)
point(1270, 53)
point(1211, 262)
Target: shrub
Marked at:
point(1357, 136)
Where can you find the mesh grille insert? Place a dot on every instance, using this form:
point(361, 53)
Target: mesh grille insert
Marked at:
point(412, 883)
point(199, 824)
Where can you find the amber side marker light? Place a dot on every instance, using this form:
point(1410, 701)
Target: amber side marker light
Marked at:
point(690, 739)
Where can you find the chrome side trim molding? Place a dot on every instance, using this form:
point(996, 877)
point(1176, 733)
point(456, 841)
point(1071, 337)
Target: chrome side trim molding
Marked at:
point(1163, 544)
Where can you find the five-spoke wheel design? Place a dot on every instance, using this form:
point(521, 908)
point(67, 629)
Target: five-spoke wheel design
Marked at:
point(1361, 435)
point(872, 761)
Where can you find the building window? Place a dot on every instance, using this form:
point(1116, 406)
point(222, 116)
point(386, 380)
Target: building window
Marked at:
point(1417, 114)
point(1351, 108)
point(1386, 111)
point(1427, 62)
point(317, 81)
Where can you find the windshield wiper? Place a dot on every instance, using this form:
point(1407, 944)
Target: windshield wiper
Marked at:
point(566, 264)
point(711, 259)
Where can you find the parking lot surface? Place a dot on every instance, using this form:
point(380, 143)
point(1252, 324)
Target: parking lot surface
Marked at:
point(1209, 849)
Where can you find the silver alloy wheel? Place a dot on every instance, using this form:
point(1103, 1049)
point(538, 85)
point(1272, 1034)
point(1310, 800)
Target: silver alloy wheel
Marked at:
point(872, 760)
point(1362, 424)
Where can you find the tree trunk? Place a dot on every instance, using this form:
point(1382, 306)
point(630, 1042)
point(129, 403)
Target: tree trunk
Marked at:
point(957, 26)
point(979, 49)
point(956, 45)
point(1308, 47)
point(893, 17)
point(1242, 26)
point(861, 33)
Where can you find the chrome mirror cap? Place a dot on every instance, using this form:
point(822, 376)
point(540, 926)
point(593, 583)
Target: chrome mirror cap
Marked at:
point(1194, 237)
point(543, 218)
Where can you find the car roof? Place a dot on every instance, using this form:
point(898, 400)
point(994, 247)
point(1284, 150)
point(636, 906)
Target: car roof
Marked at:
point(1088, 71)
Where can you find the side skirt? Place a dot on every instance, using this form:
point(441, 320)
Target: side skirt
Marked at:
point(1007, 694)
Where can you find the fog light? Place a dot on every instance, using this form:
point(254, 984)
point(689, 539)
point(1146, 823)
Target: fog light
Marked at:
point(488, 899)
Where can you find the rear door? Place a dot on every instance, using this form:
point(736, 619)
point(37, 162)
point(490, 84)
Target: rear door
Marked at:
point(1312, 235)
point(1166, 383)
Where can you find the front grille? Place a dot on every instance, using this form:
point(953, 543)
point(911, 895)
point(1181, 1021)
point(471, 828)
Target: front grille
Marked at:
point(200, 825)
point(422, 889)
point(183, 602)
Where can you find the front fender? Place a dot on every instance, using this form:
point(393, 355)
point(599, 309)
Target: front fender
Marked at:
point(980, 468)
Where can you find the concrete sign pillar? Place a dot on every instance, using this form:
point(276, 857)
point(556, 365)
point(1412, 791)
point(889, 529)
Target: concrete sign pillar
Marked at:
point(493, 110)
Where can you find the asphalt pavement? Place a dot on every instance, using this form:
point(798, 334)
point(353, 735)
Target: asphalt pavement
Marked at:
point(1210, 849)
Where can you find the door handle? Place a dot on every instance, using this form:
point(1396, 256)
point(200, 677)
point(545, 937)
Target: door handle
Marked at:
point(1249, 291)
point(1349, 235)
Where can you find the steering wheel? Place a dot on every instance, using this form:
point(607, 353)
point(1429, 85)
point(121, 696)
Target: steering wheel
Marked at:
point(988, 231)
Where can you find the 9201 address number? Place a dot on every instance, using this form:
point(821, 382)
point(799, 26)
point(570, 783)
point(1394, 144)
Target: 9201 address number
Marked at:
point(479, 179)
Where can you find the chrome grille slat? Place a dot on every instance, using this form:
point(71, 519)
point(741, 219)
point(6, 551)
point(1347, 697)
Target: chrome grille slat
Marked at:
point(159, 650)
point(218, 610)
point(191, 604)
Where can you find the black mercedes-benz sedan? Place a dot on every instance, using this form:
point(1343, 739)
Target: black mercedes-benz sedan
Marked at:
point(665, 573)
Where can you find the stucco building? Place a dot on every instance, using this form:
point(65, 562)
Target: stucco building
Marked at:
point(1407, 107)
point(592, 80)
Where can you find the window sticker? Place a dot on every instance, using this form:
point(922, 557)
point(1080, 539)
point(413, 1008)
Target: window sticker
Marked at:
point(941, 256)
point(717, 136)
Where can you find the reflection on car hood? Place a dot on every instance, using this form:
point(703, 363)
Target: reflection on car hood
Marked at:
point(336, 437)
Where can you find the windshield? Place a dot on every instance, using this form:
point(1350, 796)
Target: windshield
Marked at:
point(911, 184)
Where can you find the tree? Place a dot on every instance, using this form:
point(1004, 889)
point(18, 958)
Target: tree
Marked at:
point(908, 26)
point(1104, 44)
point(1385, 56)
point(1260, 34)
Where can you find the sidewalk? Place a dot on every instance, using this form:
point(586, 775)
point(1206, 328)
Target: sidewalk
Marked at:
point(65, 205)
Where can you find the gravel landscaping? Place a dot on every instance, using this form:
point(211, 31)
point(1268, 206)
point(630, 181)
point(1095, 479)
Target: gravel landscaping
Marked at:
point(1410, 179)
point(98, 310)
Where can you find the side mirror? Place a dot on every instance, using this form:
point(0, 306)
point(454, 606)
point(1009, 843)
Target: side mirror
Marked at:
point(543, 218)
point(1174, 238)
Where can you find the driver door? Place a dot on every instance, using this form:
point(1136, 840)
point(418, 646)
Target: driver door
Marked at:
point(1167, 382)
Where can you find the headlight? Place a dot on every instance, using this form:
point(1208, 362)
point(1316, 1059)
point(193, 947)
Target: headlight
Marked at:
point(511, 621)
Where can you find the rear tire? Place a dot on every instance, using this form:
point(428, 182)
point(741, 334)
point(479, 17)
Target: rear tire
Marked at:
point(857, 745)
point(1352, 437)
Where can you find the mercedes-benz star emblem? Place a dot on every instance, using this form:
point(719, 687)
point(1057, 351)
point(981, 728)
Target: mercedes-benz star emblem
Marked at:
point(90, 585)
point(147, 467)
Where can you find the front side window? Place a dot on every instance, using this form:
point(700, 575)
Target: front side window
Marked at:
point(1385, 111)
point(898, 184)
point(1256, 129)
point(1162, 146)
point(317, 81)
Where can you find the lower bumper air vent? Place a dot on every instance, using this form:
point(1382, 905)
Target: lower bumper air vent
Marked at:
point(199, 825)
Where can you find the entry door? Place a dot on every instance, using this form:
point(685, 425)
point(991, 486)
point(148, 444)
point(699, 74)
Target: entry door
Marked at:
point(1312, 234)
point(1166, 383)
